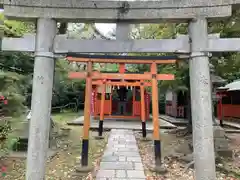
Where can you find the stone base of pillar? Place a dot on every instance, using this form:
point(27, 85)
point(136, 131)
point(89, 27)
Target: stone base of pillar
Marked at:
point(218, 132)
point(187, 158)
point(98, 137)
point(227, 153)
point(221, 143)
point(159, 169)
point(83, 169)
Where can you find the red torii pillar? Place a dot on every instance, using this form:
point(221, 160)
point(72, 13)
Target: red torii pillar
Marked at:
point(87, 114)
point(156, 132)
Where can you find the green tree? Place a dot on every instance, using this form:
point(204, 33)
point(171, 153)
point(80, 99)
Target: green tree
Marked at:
point(16, 69)
point(227, 64)
point(66, 90)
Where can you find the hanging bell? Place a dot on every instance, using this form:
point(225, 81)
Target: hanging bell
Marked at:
point(113, 87)
point(131, 88)
point(118, 87)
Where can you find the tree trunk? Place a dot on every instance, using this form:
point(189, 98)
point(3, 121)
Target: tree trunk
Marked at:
point(63, 28)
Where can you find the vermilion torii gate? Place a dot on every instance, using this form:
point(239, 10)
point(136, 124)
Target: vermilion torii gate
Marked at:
point(92, 76)
point(46, 45)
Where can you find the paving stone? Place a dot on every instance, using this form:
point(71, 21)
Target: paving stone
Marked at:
point(117, 165)
point(134, 159)
point(130, 136)
point(126, 142)
point(108, 154)
point(110, 158)
point(121, 174)
point(121, 130)
point(126, 138)
point(131, 145)
point(121, 133)
point(122, 158)
point(118, 145)
point(135, 174)
point(132, 154)
point(115, 142)
point(105, 173)
point(138, 166)
point(111, 149)
point(129, 149)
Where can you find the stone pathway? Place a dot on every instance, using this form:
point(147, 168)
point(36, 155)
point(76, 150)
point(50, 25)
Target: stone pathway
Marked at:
point(121, 159)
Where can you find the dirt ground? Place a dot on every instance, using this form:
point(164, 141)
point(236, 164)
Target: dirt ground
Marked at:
point(62, 165)
point(176, 169)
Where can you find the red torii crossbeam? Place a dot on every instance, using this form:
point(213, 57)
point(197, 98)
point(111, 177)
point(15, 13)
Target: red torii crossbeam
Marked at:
point(117, 76)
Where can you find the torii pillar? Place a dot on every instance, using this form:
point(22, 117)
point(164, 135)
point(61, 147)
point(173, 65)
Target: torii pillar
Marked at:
point(201, 102)
point(41, 99)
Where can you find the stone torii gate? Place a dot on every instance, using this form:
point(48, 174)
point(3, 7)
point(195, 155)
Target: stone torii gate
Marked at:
point(46, 45)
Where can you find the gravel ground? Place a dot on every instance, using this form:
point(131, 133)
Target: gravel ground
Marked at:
point(175, 169)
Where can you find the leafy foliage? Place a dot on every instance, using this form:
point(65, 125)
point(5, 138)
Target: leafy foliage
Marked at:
point(15, 69)
point(227, 64)
point(66, 90)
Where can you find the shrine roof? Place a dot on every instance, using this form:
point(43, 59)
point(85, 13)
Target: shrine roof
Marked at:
point(233, 86)
point(217, 79)
point(77, 55)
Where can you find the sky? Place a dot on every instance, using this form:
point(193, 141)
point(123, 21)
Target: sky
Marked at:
point(105, 28)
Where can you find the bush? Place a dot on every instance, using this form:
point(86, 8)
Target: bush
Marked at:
point(5, 128)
